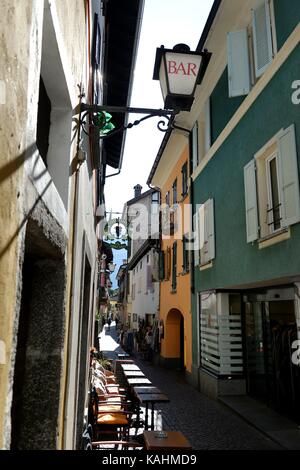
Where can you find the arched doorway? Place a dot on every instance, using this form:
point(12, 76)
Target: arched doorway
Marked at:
point(174, 339)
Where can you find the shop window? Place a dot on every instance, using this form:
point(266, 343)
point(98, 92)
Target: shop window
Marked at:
point(221, 349)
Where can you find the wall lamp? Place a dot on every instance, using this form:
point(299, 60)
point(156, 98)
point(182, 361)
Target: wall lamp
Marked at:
point(179, 71)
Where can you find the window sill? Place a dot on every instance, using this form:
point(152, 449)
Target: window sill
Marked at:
point(203, 267)
point(174, 291)
point(274, 238)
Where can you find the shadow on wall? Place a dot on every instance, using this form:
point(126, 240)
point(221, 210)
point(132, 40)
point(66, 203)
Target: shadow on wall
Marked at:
point(6, 172)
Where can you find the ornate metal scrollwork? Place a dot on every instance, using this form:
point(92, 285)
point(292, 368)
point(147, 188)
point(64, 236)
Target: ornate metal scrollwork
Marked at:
point(163, 125)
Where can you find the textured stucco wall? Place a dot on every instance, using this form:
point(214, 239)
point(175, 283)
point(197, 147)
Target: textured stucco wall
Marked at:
point(15, 16)
point(32, 193)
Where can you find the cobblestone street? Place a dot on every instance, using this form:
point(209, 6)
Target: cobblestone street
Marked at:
point(206, 423)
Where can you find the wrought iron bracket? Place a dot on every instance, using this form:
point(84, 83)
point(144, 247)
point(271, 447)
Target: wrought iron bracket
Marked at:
point(89, 128)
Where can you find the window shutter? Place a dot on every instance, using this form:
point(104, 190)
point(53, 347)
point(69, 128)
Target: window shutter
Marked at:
point(168, 264)
point(196, 242)
point(210, 229)
point(194, 146)
point(207, 136)
point(174, 267)
point(262, 38)
point(238, 63)
point(288, 177)
point(161, 265)
point(251, 202)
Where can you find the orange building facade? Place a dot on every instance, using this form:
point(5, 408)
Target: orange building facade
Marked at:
point(171, 176)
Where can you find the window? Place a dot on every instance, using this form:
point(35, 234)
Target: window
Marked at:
point(184, 172)
point(185, 255)
point(147, 258)
point(155, 198)
point(168, 198)
point(205, 227)
point(96, 59)
point(272, 197)
point(273, 211)
point(221, 346)
point(43, 122)
point(54, 116)
point(262, 37)
point(248, 60)
point(141, 264)
point(174, 267)
point(155, 203)
point(174, 190)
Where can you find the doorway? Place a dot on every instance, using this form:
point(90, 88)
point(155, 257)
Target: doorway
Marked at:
point(270, 329)
point(40, 339)
point(174, 338)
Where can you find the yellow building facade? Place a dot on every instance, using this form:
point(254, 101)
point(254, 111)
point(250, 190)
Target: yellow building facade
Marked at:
point(171, 176)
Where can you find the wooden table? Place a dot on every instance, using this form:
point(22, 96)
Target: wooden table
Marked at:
point(152, 398)
point(174, 440)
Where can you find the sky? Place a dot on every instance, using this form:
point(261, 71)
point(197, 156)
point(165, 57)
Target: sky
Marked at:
point(165, 22)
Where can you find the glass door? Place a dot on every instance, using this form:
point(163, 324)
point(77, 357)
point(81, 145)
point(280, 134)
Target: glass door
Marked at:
point(256, 351)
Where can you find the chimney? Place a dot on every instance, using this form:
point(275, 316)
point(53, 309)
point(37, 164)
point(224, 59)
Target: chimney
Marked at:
point(137, 190)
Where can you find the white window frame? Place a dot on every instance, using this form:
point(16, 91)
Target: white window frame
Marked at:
point(254, 74)
point(283, 147)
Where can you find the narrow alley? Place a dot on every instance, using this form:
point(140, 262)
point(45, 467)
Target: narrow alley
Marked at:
point(150, 225)
point(207, 424)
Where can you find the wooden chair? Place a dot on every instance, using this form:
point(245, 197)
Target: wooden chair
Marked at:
point(114, 419)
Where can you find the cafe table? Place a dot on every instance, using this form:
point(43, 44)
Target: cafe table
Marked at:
point(130, 367)
point(141, 381)
point(146, 389)
point(162, 440)
point(152, 399)
point(133, 373)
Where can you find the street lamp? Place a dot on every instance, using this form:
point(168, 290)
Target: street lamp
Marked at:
point(179, 71)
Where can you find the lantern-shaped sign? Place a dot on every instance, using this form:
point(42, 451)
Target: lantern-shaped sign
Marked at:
point(179, 71)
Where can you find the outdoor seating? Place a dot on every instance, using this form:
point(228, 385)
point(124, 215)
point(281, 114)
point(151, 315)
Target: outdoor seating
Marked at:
point(109, 420)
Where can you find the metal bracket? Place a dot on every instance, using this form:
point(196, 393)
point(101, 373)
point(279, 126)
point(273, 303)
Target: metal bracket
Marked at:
point(89, 128)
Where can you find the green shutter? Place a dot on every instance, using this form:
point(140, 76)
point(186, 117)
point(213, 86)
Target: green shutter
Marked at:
point(174, 267)
point(161, 265)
